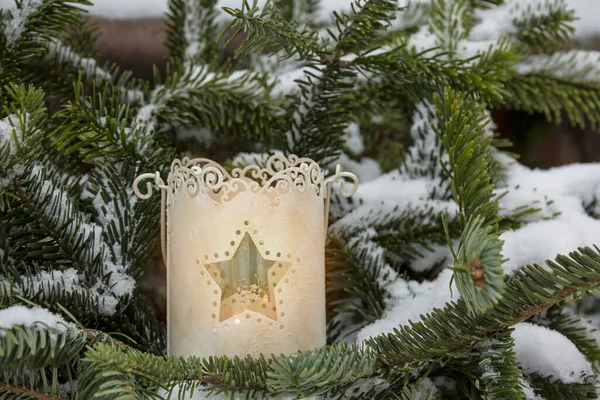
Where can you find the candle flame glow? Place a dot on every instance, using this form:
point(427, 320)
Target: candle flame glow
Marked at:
point(266, 297)
point(237, 321)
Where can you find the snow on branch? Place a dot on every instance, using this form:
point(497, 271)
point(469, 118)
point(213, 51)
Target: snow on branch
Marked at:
point(563, 362)
point(572, 65)
point(10, 131)
point(424, 156)
point(64, 53)
point(35, 317)
point(14, 24)
point(506, 18)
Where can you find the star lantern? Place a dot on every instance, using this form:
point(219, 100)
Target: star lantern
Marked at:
point(248, 280)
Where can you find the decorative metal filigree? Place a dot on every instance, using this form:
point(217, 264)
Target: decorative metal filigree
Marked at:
point(279, 176)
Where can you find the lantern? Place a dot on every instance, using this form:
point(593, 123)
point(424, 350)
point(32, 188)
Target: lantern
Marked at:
point(245, 255)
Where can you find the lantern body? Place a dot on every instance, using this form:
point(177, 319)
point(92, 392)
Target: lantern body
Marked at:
point(245, 258)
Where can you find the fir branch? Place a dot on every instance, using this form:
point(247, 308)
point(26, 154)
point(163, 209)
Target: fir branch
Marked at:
point(95, 130)
point(328, 370)
point(265, 26)
point(542, 30)
point(355, 297)
point(33, 359)
point(450, 22)
point(326, 97)
point(578, 101)
point(230, 104)
point(30, 26)
point(532, 290)
point(501, 376)
point(556, 390)
point(300, 11)
point(356, 32)
point(478, 261)
point(191, 30)
point(24, 392)
point(463, 130)
point(422, 390)
point(416, 75)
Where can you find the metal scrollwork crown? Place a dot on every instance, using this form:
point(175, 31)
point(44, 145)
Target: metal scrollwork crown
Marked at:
point(280, 175)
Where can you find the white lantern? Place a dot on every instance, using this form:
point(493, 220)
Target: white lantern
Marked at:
point(245, 255)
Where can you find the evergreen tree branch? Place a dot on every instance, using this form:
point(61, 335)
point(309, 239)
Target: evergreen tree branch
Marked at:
point(230, 104)
point(501, 375)
point(439, 335)
point(578, 101)
point(191, 30)
point(556, 390)
point(27, 30)
point(544, 31)
point(34, 361)
point(450, 21)
point(327, 97)
point(265, 26)
point(96, 131)
point(357, 31)
point(24, 392)
point(301, 11)
point(532, 290)
point(418, 391)
point(417, 74)
point(354, 296)
point(478, 261)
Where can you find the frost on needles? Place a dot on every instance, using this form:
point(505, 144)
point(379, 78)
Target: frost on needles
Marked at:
point(454, 272)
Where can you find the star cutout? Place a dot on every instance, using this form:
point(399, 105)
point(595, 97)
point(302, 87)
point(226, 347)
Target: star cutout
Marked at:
point(247, 281)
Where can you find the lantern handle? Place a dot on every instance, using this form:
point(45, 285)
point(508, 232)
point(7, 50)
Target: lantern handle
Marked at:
point(159, 184)
point(338, 177)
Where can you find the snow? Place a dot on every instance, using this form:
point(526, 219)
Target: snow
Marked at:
point(423, 157)
point(88, 65)
point(65, 214)
point(549, 353)
point(503, 20)
point(365, 170)
point(353, 139)
point(9, 126)
point(191, 30)
point(391, 191)
point(563, 189)
point(13, 27)
point(528, 391)
point(411, 300)
point(45, 281)
point(35, 317)
point(201, 393)
point(573, 65)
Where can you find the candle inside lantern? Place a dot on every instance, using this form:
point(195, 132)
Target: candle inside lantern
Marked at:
point(245, 258)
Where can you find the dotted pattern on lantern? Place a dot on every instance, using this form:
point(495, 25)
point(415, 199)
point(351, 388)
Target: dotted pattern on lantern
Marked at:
point(278, 264)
